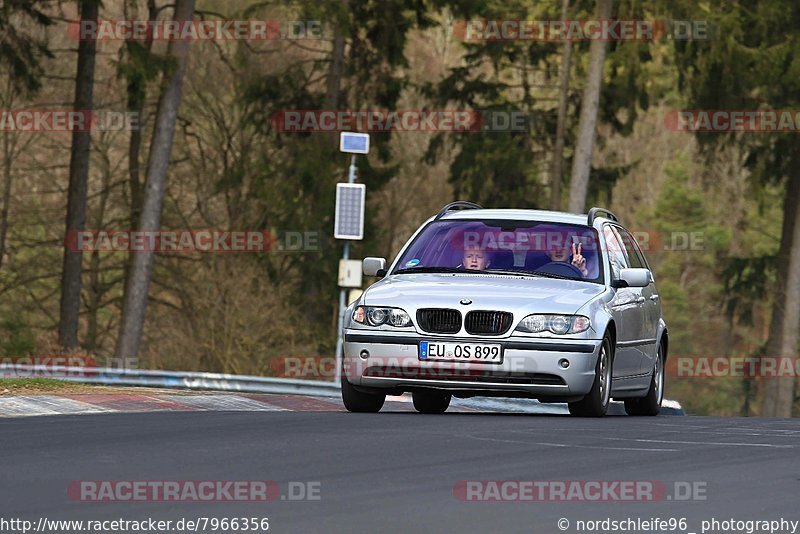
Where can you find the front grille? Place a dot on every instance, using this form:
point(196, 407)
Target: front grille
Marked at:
point(464, 375)
point(491, 323)
point(439, 321)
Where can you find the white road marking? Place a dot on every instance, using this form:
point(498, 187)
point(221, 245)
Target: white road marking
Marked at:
point(29, 405)
point(234, 403)
point(571, 446)
point(722, 443)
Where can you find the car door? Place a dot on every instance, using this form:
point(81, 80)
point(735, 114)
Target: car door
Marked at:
point(651, 311)
point(626, 308)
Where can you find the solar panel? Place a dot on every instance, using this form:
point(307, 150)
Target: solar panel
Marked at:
point(349, 218)
point(354, 143)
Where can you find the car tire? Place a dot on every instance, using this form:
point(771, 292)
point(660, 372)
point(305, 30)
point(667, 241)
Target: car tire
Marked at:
point(595, 403)
point(650, 404)
point(431, 401)
point(358, 401)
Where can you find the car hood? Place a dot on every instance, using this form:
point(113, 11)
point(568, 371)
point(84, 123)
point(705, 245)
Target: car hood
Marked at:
point(487, 292)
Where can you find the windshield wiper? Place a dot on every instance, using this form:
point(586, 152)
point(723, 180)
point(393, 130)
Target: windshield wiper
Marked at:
point(556, 276)
point(510, 272)
point(514, 272)
point(432, 269)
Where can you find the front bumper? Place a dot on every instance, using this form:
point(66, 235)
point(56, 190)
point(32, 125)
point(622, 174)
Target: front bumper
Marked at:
point(530, 365)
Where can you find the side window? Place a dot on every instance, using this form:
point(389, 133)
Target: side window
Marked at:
point(635, 257)
point(615, 250)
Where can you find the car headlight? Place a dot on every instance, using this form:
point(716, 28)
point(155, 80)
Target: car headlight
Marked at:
point(372, 316)
point(557, 324)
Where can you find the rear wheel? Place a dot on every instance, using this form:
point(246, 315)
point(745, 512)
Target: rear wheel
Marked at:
point(431, 401)
point(595, 403)
point(650, 404)
point(357, 401)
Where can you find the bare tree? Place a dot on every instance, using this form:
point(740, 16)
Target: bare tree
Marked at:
point(582, 160)
point(4, 207)
point(13, 147)
point(784, 336)
point(78, 185)
point(137, 284)
point(137, 92)
point(563, 88)
point(336, 68)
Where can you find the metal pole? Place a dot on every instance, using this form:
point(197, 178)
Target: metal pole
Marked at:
point(351, 178)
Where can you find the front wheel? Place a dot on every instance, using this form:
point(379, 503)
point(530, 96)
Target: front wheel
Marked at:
point(357, 401)
point(431, 401)
point(595, 403)
point(650, 404)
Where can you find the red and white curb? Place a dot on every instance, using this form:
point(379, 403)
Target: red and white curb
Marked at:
point(99, 403)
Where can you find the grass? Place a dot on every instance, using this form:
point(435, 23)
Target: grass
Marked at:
point(34, 386)
point(20, 385)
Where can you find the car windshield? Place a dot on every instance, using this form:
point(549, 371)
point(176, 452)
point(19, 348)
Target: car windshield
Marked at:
point(512, 247)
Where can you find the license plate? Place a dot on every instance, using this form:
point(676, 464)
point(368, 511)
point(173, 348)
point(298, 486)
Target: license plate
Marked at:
point(460, 352)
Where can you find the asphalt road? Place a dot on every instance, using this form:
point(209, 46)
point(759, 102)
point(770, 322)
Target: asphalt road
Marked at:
point(396, 472)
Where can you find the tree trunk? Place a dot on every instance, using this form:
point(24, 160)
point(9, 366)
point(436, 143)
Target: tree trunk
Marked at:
point(137, 96)
point(785, 322)
point(137, 283)
point(563, 87)
point(78, 185)
point(137, 88)
point(582, 160)
point(7, 179)
point(333, 87)
point(97, 289)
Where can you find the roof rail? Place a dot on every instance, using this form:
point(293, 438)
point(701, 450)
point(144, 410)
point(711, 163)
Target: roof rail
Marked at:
point(460, 204)
point(593, 214)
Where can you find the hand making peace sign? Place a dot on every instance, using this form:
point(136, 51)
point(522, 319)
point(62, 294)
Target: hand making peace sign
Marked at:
point(578, 260)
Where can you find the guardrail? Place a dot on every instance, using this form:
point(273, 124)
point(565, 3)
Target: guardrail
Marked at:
point(173, 379)
point(257, 384)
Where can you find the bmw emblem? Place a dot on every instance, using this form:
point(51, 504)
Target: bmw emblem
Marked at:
point(466, 302)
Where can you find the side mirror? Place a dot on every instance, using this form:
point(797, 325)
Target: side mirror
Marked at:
point(633, 278)
point(374, 266)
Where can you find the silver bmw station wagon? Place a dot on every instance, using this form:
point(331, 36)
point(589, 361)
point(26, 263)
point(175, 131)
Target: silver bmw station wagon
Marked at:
point(509, 303)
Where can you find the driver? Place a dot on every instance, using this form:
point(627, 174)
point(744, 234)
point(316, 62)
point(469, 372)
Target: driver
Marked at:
point(475, 258)
point(561, 254)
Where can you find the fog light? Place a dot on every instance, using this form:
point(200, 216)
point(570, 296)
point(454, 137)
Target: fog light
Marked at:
point(365, 354)
point(564, 363)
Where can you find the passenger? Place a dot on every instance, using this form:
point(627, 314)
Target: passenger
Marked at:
point(561, 254)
